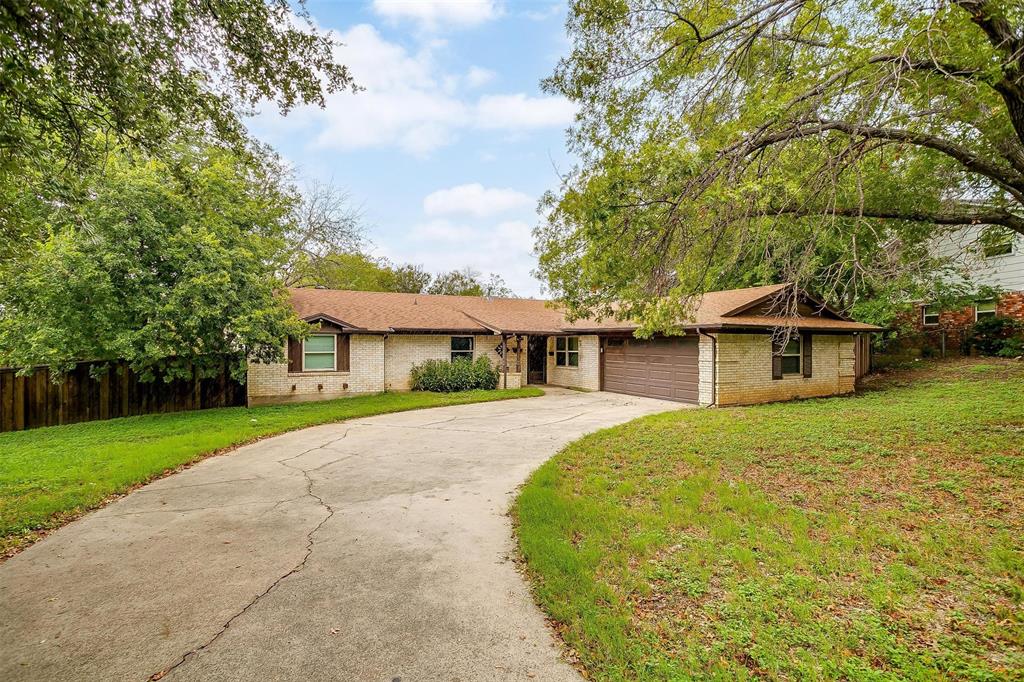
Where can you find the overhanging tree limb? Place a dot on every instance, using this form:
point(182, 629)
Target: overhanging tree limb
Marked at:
point(1008, 178)
point(952, 216)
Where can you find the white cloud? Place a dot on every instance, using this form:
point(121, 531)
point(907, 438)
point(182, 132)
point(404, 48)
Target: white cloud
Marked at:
point(505, 248)
point(407, 102)
point(434, 14)
point(551, 11)
point(474, 200)
point(477, 76)
point(522, 112)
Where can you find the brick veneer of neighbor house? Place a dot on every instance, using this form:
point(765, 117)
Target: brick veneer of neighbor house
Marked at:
point(268, 383)
point(744, 373)
point(1011, 305)
point(587, 376)
point(956, 324)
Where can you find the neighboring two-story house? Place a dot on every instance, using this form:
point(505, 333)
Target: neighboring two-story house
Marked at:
point(990, 262)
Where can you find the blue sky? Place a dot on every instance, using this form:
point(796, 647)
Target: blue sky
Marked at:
point(452, 142)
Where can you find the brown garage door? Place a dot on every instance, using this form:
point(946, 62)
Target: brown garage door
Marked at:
point(658, 368)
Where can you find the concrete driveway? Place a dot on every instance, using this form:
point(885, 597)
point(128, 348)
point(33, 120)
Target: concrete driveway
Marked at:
point(375, 549)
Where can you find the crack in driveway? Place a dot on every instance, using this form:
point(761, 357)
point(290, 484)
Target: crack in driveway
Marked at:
point(310, 542)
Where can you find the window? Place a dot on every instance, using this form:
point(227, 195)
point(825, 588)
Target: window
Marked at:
point(462, 347)
point(791, 357)
point(567, 351)
point(930, 314)
point(985, 309)
point(318, 353)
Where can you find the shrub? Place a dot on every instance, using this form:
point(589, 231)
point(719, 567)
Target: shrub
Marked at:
point(1002, 336)
point(461, 375)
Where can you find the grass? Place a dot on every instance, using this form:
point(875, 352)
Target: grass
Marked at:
point(49, 476)
point(876, 537)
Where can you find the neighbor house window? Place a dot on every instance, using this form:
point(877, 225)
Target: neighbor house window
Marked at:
point(567, 351)
point(930, 314)
point(791, 357)
point(318, 352)
point(985, 309)
point(462, 347)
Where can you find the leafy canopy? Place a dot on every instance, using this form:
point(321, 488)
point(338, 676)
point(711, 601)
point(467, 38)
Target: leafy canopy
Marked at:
point(79, 77)
point(358, 271)
point(168, 268)
point(824, 142)
point(468, 282)
point(145, 69)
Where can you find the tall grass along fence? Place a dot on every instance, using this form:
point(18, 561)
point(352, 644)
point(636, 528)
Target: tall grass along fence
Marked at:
point(28, 402)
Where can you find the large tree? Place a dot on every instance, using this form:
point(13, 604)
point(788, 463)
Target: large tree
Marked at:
point(80, 76)
point(469, 282)
point(325, 229)
point(358, 271)
point(142, 69)
point(168, 268)
point(824, 142)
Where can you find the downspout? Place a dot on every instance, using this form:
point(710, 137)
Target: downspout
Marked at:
point(714, 366)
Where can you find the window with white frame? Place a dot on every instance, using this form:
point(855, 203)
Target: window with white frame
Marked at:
point(462, 348)
point(930, 314)
point(791, 356)
point(983, 309)
point(318, 353)
point(567, 351)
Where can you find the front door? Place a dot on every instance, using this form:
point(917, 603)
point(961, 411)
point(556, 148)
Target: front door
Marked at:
point(537, 360)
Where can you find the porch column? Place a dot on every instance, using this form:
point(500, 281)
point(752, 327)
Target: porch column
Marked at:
point(504, 358)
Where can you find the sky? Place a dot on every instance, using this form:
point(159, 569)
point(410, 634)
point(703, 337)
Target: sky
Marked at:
point(451, 142)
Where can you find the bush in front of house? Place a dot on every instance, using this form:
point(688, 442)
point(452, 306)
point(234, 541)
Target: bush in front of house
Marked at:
point(459, 375)
point(1002, 336)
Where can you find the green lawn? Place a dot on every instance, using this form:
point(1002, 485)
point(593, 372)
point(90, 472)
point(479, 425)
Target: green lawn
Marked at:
point(876, 537)
point(48, 476)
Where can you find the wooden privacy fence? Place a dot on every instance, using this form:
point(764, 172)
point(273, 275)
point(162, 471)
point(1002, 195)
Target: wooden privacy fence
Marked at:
point(27, 402)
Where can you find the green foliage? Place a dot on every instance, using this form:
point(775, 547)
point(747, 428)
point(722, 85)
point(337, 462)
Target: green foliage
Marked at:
point(458, 375)
point(1002, 336)
point(874, 537)
point(826, 143)
point(467, 282)
point(358, 271)
point(79, 75)
point(47, 476)
point(166, 267)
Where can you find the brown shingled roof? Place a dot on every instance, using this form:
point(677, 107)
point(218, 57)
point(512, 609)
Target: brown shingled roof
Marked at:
point(382, 312)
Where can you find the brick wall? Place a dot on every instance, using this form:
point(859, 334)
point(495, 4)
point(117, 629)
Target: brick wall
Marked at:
point(272, 383)
point(706, 369)
point(744, 370)
point(954, 326)
point(1011, 305)
point(375, 365)
point(405, 350)
point(587, 375)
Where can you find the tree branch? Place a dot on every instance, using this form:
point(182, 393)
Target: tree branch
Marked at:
point(1008, 179)
point(956, 216)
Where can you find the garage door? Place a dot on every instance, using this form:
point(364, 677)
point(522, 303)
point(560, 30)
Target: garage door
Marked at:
point(659, 368)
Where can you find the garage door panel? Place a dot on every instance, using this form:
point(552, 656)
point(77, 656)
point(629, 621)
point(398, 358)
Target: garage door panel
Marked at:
point(659, 368)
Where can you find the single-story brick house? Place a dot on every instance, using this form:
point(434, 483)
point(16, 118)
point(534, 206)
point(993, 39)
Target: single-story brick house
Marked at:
point(730, 354)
